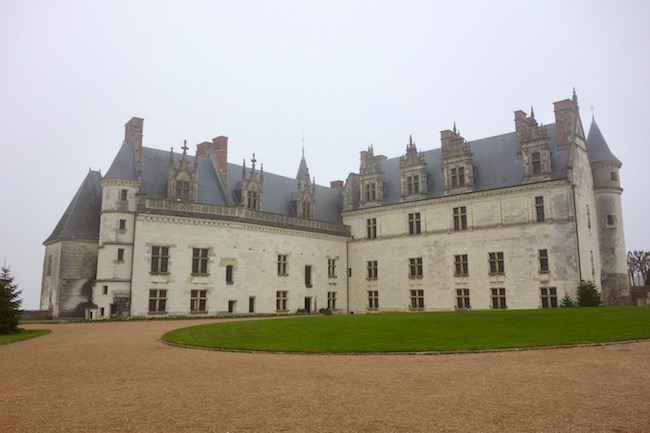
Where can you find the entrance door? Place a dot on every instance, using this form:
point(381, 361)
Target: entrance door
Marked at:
point(113, 311)
point(308, 304)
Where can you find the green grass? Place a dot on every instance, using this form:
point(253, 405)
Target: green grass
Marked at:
point(23, 334)
point(415, 332)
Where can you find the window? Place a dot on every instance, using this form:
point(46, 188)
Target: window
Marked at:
point(308, 276)
point(371, 192)
point(331, 268)
point(414, 223)
point(198, 301)
point(306, 209)
point(499, 299)
point(231, 306)
point(536, 161)
point(496, 263)
point(417, 299)
point(49, 264)
point(331, 300)
point(462, 299)
point(122, 225)
point(281, 300)
point(105, 290)
point(539, 209)
point(102, 311)
point(251, 304)
point(200, 261)
point(122, 203)
point(253, 199)
point(372, 270)
point(124, 194)
point(182, 190)
point(415, 267)
point(588, 218)
point(413, 184)
point(120, 254)
point(282, 264)
point(229, 274)
point(159, 260)
point(373, 299)
point(157, 301)
point(460, 218)
point(371, 228)
point(549, 297)
point(543, 260)
point(613, 175)
point(457, 177)
point(611, 220)
point(461, 267)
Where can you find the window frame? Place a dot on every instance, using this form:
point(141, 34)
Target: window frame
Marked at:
point(372, 268)
point(498, 297)
point(539, 209)
point(416, 267)
point(415, 223)
point(459, 214)
point(157, 301)
point(542, 256)
point(282, 262)
point(548, 297)
point(373, 299)
point(198, 301)
point(281, 299)
point(371, 228)
point(496, 263)
point(159, 260)
point(463, 299)
point(416, 298)
point(200, 261)
point(461, 265)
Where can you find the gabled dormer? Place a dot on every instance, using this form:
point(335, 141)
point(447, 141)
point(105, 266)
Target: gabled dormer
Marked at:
point(413, 171)
point(533, 145)
point(457, 163)
point(371, 178)
point(306, 193)
point(182, 184)
point(252, 186)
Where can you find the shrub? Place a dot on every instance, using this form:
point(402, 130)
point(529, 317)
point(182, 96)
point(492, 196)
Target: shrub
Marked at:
point(567, 302)
point(588, 295)
point(9, 303)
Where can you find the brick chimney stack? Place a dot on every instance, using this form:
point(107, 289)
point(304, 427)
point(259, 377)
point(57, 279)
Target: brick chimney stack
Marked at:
point(133, 135)
point(220, 148)
point(337, 184)
point(566, 118)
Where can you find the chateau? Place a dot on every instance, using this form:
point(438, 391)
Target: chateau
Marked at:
point(513, 221)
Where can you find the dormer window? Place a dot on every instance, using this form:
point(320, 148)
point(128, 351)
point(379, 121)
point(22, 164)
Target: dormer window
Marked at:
point(413, 184)
point(371, 192)
point(536, 163)
point(253, 198)
point(457, 177)
point(182, 190)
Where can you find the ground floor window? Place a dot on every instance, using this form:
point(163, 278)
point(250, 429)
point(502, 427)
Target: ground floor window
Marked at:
point(281, 300)
point(499, 298)
point(549, 297)
point(157, 301)
point(198, 301)
point(251, 304)
point(331, 300)
point(417, 299)
point(373, 299)
point(462, 299)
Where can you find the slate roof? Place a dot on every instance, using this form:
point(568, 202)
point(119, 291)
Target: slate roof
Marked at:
point(81, 219)
point(598, 149)
point(495, 160)
point(277, 194)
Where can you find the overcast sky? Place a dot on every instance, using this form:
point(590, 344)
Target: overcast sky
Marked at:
point(347, 73)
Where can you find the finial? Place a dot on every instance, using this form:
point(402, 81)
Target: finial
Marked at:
point(575, 97)
point(253, 161)
point(184, 147)
point(454, 126)
point(532, 112)
point(592, 108)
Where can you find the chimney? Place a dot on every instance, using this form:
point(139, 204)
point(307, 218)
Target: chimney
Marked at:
point(220, 148)
point(336, 184)
point(566, 117)
point(202, 149)
point(133, 131)
point(133, 135)
point(445, 137)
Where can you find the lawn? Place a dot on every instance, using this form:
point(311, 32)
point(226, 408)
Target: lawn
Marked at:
point(416, 332)
point(24, 334)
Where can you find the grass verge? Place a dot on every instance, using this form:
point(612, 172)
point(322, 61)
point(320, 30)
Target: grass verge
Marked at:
point(418, 332)
point(23, 334)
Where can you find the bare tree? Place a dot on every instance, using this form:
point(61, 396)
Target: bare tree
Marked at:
point(638, 264)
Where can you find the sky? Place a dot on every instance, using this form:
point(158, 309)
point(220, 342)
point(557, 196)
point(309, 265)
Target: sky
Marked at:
point(332, 76)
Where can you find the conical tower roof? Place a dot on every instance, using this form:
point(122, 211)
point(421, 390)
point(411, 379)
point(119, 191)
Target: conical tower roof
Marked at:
point(598, 149)
point(81, 218)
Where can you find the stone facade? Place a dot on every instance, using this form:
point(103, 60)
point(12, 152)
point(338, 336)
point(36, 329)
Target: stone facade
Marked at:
point(514, 221)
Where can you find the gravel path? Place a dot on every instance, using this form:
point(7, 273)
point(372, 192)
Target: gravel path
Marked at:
point(117, 376)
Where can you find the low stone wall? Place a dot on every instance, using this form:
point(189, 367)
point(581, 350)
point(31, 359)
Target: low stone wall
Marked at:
point(31, 315)
point(640, 295)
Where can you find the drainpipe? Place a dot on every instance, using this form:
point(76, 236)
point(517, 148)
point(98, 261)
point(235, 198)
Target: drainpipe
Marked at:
point(575, 216)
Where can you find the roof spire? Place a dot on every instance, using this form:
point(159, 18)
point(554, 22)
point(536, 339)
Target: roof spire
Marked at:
point(575, 97)
point(532, 112)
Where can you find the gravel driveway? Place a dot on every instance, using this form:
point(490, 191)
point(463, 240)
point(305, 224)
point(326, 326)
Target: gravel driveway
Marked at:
point(117, 376)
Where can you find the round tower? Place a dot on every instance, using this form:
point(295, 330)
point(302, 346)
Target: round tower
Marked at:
point(607, 193)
